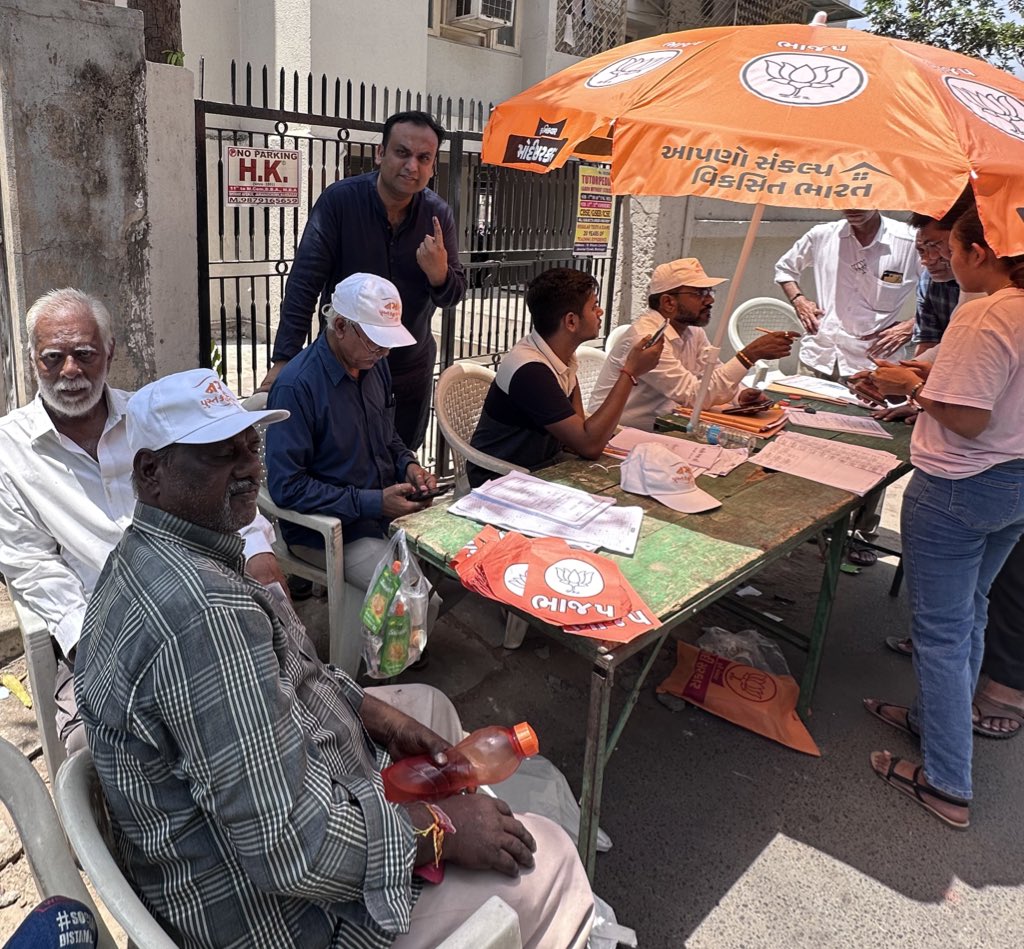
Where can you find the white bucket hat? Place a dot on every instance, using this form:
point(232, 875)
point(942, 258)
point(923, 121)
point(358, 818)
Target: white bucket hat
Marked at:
point(655, 470)
point(191, 408)
point(374, 304)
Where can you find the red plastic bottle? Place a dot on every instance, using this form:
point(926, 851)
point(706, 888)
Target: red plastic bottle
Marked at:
point(486, 756)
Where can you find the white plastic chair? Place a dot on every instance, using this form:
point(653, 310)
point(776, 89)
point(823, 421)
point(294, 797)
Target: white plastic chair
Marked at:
point(768, 312)
point(344, 601)
point(458, 401)
point(494, 925)
point(32, 811)
point(42, 677)
point(75, 790)
point(590, 362)
point(612, 339)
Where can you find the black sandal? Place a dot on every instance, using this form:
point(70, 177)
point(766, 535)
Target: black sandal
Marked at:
point(875, 707)
point(916, 788)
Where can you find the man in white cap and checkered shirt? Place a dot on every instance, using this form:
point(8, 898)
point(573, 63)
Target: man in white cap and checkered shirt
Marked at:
point(242, 774)
point(339, 453)
point(680, 297)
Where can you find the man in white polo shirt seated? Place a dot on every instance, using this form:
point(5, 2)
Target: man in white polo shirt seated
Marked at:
point(680, 298)
point(533, 409)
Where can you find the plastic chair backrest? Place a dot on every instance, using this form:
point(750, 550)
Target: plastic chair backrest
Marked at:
point(343, 600)
point(32, 811)
point(458, 401)
point(75, 789)
point(41, 660)
point(612, 340)
point(591, 362)
point(767, 312)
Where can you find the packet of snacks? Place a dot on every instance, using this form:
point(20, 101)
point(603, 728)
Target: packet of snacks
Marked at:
point(394, 613)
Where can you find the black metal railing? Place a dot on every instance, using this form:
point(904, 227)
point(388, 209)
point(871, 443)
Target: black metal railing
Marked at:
point(511, 224)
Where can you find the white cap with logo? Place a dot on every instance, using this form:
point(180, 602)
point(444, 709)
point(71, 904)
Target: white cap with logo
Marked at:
point(374, 304)
point(190, 408)
point(685, 272)
point(655, 470)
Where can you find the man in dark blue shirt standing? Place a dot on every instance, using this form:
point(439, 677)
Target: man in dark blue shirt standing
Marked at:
point(389, 223)
point(339, 453)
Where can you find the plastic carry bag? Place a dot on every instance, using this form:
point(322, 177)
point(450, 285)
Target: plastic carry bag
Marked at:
point(394, 613)
point(747, 646)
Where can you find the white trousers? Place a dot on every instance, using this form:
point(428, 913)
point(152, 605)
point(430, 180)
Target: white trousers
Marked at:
point(553, 899)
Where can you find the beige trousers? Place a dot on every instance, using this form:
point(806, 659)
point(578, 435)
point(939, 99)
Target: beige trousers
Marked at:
point(553, 900)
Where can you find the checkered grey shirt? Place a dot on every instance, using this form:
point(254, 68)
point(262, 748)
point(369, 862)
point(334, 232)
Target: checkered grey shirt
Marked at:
point(244, 793)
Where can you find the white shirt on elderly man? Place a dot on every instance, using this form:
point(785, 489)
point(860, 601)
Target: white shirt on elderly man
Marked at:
point(62, 512)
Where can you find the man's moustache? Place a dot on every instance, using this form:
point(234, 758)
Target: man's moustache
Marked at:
point(241, 487)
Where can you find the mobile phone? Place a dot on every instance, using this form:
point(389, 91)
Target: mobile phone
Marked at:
point(660, 332)
point(429, 495)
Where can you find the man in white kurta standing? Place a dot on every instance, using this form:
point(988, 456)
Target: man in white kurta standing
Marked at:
point(865, 268)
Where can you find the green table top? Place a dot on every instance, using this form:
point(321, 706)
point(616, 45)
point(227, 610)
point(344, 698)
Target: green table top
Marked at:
point(683, 562)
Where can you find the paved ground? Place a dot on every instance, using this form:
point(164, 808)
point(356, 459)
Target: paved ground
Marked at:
point(723, 839)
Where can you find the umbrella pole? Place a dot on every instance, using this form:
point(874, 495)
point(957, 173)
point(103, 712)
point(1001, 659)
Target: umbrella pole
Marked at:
point(716, 343)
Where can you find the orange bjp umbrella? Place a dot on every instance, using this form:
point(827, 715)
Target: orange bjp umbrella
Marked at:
point(787, 115)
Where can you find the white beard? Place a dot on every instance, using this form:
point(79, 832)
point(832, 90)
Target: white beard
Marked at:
point(53, 395)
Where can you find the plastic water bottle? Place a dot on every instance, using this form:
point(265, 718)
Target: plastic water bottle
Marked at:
point(487, 756)
point(715, 434)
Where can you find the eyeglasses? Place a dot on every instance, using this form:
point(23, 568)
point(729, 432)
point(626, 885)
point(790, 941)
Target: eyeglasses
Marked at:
point(370, 348)
point(707, 293)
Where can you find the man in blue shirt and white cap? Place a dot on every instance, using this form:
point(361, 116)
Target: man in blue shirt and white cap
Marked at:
point(339, 453)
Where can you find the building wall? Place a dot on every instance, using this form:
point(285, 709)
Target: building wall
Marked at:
point(171, 177)
point(73, 168)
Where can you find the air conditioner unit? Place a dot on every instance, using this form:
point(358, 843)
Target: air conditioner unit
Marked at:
point(481, 16)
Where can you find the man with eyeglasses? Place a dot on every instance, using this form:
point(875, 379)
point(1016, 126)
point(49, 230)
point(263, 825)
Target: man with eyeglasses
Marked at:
point(386, 222)
point(680, 297)
point(65, 484)
point(339, 453)
point(865, 268)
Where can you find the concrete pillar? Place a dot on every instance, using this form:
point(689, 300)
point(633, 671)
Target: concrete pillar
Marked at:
point(171, 179)
point(73, 169)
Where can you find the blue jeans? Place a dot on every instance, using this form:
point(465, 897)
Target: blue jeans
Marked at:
point(956, 537)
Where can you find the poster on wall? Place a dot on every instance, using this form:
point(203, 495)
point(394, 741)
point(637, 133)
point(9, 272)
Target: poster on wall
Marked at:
point(593, 212)
point(262, 176)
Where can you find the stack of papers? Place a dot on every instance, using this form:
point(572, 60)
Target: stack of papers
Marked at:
point(851, 468)
point(539, 508)
point(703, 459)
point(834, 422)
point(762, 425)
point(823, 389)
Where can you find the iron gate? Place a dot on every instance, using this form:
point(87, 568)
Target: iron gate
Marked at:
point(511, 224)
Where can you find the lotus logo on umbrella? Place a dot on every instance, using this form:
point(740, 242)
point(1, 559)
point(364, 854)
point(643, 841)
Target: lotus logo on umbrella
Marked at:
point(631, 67)
point(999, 109)
point(803, 79)
point(572, 577)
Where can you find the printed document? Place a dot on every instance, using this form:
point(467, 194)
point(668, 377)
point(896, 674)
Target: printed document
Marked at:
point(614, 528)
point(704, 459)
point(851, 468)
point(834, 422)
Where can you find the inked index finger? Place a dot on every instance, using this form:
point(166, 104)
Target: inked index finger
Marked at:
point(438, 233)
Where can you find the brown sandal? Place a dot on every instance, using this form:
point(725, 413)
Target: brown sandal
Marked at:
point(916, 788)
